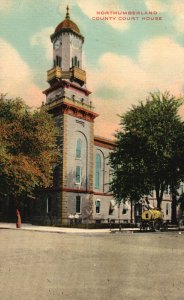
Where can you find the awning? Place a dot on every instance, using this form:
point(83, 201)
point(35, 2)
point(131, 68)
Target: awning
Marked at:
point(71, 216)
point(126, 205)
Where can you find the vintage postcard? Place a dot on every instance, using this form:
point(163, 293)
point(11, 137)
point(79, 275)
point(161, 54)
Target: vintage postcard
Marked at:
point(81, 65)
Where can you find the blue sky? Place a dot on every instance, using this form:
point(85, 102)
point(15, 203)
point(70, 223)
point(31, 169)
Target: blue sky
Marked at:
point(124, 59)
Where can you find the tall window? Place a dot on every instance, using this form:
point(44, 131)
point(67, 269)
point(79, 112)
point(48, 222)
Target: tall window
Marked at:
point(97, 171)
point(78, 204)
point(98, 203)
point(75, 62)
point(57, 61)
point(79, 148)
point(78, 174)
point(167, 209)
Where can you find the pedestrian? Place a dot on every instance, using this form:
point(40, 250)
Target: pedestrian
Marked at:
point(18, 223)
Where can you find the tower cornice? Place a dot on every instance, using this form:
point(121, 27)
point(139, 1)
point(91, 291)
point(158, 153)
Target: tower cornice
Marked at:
point(65, 106)
point(65, 83)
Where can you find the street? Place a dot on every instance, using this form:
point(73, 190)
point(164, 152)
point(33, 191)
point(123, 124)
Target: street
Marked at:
point(62, 266)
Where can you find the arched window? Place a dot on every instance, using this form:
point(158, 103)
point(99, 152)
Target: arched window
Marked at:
point(97, 171)
point(79, 148)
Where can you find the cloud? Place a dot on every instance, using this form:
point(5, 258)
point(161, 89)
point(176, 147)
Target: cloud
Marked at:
point(16, 78)
point(156, 5)
point(174, 7)
point(6, 5)
point(177, 9)
point(161, 58)
point(90, 8)
point(125, 81)
point(42, 39)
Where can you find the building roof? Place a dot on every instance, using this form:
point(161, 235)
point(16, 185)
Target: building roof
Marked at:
point(68, 24)
point(104, 143)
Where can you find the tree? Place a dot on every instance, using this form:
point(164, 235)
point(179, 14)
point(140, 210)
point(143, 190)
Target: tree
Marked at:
point(27, 149)
point(149, 152)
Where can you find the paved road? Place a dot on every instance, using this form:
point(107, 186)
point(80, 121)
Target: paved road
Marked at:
point(61, 266)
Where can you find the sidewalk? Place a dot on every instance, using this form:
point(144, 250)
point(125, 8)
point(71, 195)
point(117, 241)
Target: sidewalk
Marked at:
point(31, 227)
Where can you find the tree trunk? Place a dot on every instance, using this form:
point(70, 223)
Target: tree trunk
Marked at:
point(159, 203)
point(159, 200)
point(173, 215)
point(159, 194)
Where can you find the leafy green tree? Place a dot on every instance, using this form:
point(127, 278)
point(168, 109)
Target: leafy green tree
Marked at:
point(149, 152)
point(27, 149)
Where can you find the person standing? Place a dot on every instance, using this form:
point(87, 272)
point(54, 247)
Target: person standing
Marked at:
point(18, 223)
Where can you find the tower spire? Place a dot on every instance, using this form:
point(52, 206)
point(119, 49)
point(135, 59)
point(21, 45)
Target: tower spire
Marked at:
point(67, 13)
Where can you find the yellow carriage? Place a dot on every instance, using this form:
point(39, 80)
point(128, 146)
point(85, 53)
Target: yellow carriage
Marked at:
point(152, 219)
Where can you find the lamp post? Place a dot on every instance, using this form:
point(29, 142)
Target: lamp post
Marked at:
point(119, 216)
point(131, 211)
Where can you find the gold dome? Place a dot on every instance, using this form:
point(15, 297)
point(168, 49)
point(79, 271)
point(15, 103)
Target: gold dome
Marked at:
point(68, 24)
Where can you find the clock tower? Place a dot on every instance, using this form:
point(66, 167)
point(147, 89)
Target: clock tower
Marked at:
point(67, 52)
point(67, 99)
point(67, 48)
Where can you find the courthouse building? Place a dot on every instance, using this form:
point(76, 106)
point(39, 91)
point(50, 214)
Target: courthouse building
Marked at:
point(80, 191)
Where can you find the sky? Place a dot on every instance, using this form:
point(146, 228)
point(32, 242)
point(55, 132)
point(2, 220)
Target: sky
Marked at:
point(126, 56)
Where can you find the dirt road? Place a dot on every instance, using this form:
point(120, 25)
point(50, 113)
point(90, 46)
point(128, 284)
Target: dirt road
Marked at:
point(60, 266)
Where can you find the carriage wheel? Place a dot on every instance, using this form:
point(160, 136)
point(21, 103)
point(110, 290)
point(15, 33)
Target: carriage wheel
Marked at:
point(165, 226)
point(181, 223)
point(156, 225)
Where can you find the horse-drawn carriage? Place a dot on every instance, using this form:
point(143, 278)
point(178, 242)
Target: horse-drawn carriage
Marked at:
point(153, 219)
